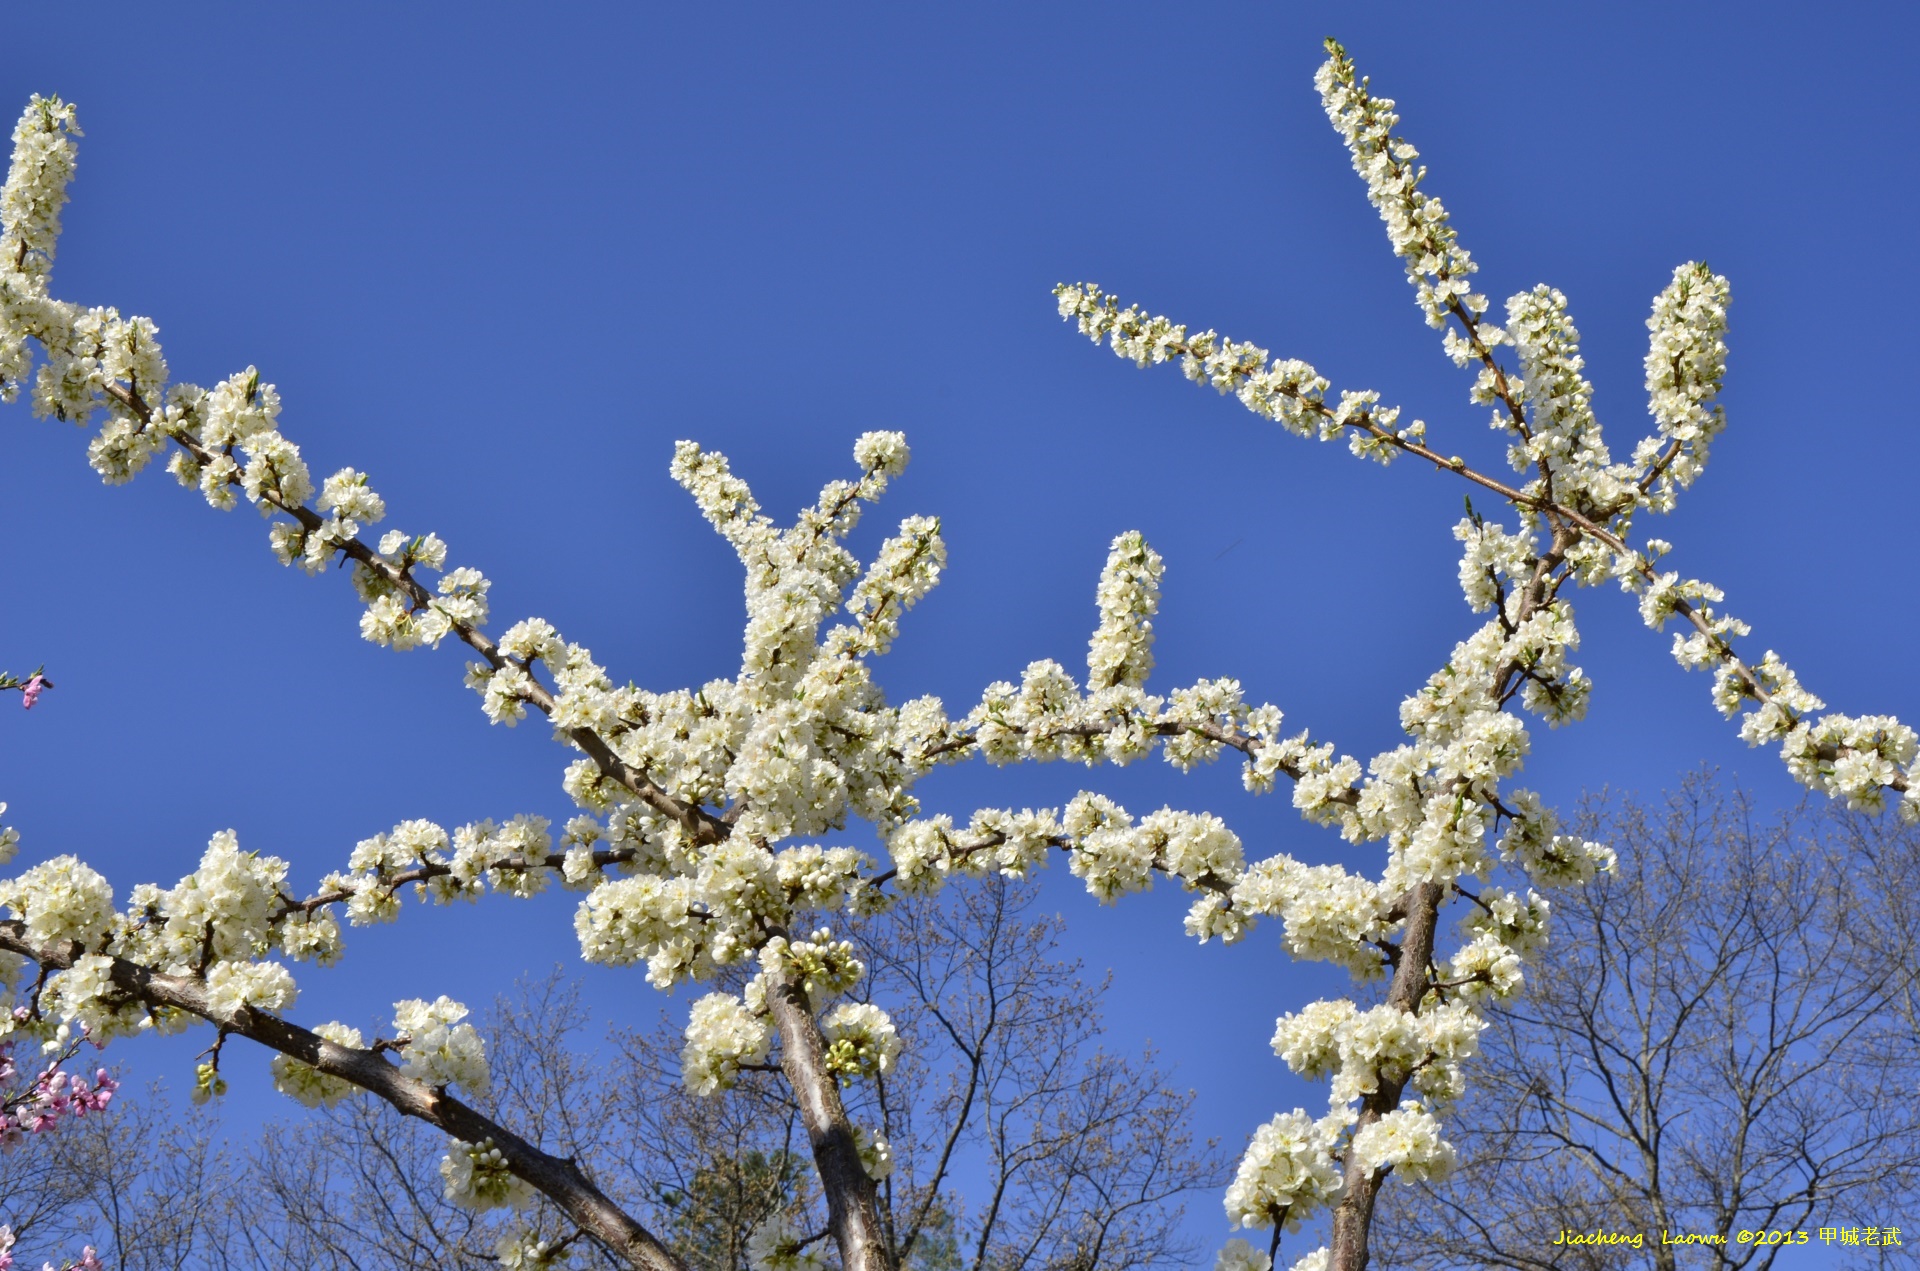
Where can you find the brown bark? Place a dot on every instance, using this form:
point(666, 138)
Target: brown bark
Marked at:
point(1353, 1213)
point(853, 1210)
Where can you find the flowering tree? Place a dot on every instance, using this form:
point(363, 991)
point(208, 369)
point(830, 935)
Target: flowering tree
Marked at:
point(705, 815)
point(43, 1099)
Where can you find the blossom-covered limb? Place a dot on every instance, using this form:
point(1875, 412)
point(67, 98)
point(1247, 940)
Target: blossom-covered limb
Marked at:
point(1814, 753)
point(376, 889)
point(700, 824)
point(369, 1070)
point(1545, 404)
point(227, 443)
point(1434, 800)
point(707, 779)
point(1420, 231)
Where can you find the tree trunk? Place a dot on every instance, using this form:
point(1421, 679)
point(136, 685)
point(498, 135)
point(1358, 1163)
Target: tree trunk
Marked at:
point(853, 1210)
point(1353, 1213)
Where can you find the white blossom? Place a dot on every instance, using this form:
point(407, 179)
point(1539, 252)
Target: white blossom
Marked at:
point(1121, 651)
point(266, 986)
point(1285, 1174)
point(861, 1041)
point(876, 1154)
point(1408, 1140)
point(1238, 1255)
point(60, 899)
point(524, 1250)
point(721, 1035)
point(439, 1048)
point(476, 1176)
point(308, 1084)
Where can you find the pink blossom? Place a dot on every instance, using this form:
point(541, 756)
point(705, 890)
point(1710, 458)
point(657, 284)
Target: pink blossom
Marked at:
point(89, 1259)
point(53, 1096)
point(31, 690)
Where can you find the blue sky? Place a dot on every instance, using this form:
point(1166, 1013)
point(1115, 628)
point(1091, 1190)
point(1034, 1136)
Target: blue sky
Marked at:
point(502, 257)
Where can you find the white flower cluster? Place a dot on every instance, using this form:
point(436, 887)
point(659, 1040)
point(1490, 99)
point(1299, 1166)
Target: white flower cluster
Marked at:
point(476, 1176)
point(925, 852)
point(229, 909)
point(1121, 651)
point(36, 189)
point(1686, 362)
point(233, 985)
point(876, 1154)
point(1417, 224)
point(1856, 759)
point(1406, 1140)
point(803, 738)
point(1360, 1050)
point(307, 1084)
point(1238, 1255)
point(1286, 1173)
point(684, 924)
point(1286, 390)
point(438, 1047)
point(722, 1033)
point(84, 998)
point(861, 1041)
point(60, 899)
point(515, 858)
point(216, 924)
point(522, 1249)
point(905, 570)
point(1115, 856)
point(1330, 914)
point(820, 966)
point(1562, 441)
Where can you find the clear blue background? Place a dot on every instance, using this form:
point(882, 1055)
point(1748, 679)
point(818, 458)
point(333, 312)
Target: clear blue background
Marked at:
point(502, 256)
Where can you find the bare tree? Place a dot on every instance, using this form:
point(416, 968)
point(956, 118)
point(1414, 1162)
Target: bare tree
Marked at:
point(1081, 1155)
point(1084, 1150)
point(141, 1182)
point(1722, 1043)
